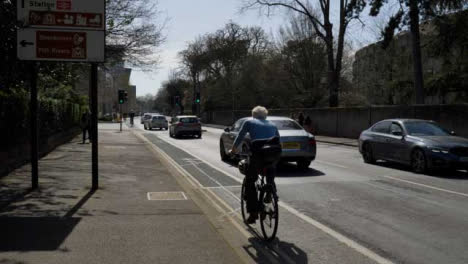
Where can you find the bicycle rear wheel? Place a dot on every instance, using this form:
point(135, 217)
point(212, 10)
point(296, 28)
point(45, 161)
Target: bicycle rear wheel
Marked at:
point(243, 203)
point(269, 215)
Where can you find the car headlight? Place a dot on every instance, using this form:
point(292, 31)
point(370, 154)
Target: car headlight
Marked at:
point(439, 150)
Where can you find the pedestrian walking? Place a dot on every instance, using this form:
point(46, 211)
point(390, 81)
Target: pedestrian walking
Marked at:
point(293, 116)
point(132, 116)
point(85, 124)
point(300, 119)
point(308, 124)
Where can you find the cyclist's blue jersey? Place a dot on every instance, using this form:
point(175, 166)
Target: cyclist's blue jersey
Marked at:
point(258, 129)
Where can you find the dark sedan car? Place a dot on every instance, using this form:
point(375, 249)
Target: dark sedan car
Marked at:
point(422, 144)
point(298, 145)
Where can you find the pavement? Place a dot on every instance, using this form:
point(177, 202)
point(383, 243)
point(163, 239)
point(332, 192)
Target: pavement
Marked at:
point(65, 222)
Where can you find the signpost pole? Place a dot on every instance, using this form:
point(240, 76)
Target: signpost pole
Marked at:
point(94, 125)
point(33, 122)
point(121, 117)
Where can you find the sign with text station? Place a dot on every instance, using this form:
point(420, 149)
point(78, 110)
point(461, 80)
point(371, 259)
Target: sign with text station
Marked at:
point(60, 45)
point(85, 14)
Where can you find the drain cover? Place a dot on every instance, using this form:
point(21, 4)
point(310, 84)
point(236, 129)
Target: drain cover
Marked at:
point(166, 196)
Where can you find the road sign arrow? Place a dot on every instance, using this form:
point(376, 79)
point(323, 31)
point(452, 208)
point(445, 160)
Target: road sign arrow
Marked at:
point(25, 43)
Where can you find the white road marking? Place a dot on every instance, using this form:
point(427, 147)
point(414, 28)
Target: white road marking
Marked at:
point(225, 186)
point(350, 243)
point(331, 164)
point(427, 186)
point(343, 239)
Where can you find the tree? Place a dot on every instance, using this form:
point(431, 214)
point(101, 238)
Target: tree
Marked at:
point(304, 58)
point(132, 35)
point(410, 13)
point(146, 103)
point(194, 61)
point(323, 27)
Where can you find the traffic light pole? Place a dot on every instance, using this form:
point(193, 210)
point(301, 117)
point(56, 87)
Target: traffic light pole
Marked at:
point(121, 117)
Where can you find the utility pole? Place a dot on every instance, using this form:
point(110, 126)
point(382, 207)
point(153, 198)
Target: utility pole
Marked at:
point(94, 125)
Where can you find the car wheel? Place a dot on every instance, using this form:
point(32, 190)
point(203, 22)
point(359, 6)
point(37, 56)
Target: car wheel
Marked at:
point(144, 127)
point(418, 161)
point(367, 154)
point(303, 164)
point(199, 135)
point(222, 151)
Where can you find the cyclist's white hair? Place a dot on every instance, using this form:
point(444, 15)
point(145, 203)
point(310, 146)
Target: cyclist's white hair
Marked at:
point(259, 112)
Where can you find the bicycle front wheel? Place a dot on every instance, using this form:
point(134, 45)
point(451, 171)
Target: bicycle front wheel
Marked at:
point(269, 214)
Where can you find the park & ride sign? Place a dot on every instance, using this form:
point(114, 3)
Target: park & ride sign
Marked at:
point(61, 30)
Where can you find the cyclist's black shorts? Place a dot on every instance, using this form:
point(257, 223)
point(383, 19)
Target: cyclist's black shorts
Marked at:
point(266, 152)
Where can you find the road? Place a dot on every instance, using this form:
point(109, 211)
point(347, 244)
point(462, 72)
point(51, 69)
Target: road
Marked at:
point(342, 210)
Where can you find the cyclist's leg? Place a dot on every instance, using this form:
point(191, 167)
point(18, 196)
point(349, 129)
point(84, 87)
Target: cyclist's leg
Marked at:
point(250, 190)
point(270, 175)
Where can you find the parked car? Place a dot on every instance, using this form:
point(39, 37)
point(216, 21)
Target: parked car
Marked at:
point(422, 144)
point(185, 125)
point(298, 145)
point(156, 121)
point(144, 117)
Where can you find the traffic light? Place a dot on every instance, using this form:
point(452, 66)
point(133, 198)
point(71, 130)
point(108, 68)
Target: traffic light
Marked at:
point(177, 100)
point(125, 96)
point(121, 96)
point(197, 98)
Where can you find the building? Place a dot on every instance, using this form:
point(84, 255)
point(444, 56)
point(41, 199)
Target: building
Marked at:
point(385, 76)
point(111, 79)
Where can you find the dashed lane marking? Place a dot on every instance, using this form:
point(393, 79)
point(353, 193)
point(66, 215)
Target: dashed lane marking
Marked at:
point(427, 186)
point(331, 164)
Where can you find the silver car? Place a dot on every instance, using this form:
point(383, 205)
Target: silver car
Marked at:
point(144, 117)
point(185, 125)
point(156, 121)
point(297, 144)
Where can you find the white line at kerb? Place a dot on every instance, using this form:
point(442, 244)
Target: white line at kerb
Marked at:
point(427, 186)
point(350, 243)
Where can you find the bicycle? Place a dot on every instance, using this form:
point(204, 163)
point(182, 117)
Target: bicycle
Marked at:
point(268, 207)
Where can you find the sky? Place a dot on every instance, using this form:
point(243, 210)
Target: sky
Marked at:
point(188, 19)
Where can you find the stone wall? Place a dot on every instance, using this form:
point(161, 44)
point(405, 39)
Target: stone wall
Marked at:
point(349, 122)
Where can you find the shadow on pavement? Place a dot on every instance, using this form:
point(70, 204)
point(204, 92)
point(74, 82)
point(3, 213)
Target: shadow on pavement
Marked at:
point(9, 261)
point(440, 173)
point(278, 251)
point(34, 233)
point(11, 195)
point(80, 204)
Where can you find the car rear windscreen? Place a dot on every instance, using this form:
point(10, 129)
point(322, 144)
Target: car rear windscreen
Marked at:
point(159, 118)
point(286, 125)
point(189, 120)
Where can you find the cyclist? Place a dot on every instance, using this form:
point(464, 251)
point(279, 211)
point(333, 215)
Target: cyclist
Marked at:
point(262, 132)
point(132, 116)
